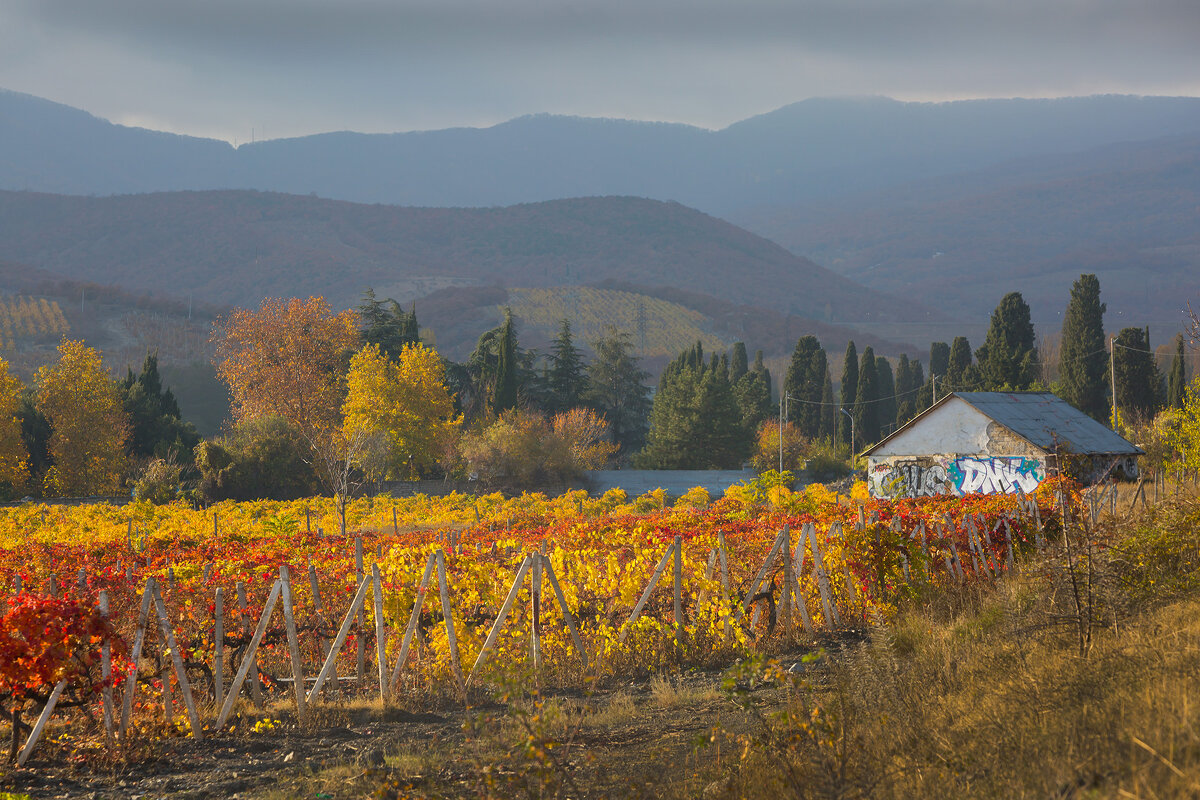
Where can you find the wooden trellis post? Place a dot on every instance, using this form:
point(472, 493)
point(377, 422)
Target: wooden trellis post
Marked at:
point(641, 603)
point(343, 633)
point(412, 621)
point(293, 640)
point(251, 653)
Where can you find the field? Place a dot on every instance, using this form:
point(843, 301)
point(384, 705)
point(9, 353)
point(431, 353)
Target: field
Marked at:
point(613, 699)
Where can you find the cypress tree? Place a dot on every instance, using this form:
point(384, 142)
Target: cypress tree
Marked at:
point(829, 412)
point(566, 379)
point(849, 390)
point(753, 394)
point(905, 396)
point(1178, 378)
point(1082, 369)
point(1008, 358)
point(939, 359)
point(958, 367)
point(507, 367)
point(738, 364)
point(695, 422)
point(887, 396)
point(866, 407)
point(616, 389)
point(1139, 382)
point(156, 426)
point(803, 382)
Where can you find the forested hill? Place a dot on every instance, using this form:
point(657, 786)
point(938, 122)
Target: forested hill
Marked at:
point(236, 247)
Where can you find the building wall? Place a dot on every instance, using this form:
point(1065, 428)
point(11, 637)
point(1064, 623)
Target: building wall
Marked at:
point(955, 450)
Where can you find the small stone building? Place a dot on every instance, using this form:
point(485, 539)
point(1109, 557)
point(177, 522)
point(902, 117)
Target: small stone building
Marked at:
point(995, 442)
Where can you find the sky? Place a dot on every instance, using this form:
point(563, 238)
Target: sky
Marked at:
point(243, 69)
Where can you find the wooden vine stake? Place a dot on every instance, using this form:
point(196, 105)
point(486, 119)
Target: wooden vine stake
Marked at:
point(448, 615)
point(328, 668)
point(678, 591)
point(40, 725)
point(185, 688)
point(497, 624)
point(831, 612)
point(758, 579)
point(293, 640)
point(134, 656)
point(255, 688)
point(360, 643)
point(380, 634)
point(566, 612)
point(319, 610)
point(106, 696)
point(641, 603)
point(250, 657)
point(412, 622)
point(535, 614)
point(219, 647)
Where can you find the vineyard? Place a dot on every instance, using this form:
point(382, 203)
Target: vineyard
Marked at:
point(154, 620)
point(669, 328)
point(25, 318)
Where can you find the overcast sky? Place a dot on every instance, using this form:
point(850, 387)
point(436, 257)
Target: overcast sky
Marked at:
point(290, 67)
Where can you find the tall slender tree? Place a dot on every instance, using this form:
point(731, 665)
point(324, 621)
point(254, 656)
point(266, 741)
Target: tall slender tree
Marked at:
point(958, 368)
point(508, 367)
point(739, 363)
point(1082, 369)
point(566, 379)
point(866, 405)
point(849, 390)
point(753, 393)
point(829, 408)
point(617, 389)
point(1177, 382)
point(1139, 383)
point(905, 396)
point(887, 395)
point(1008, 358)
point(803, 383)
point(939, 359)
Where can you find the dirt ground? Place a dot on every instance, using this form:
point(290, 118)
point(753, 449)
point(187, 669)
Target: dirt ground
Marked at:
point(642, 738)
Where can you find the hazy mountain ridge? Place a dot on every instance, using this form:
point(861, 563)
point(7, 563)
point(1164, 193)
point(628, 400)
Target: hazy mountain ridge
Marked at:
point(237, 247)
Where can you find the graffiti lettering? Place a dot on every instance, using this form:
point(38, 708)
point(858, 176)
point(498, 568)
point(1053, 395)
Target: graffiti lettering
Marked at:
point(995, 475)
point(912, 479)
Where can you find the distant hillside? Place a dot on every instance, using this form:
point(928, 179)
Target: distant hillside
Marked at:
point(814, 149)
point(238, 247)
point(1129, 213)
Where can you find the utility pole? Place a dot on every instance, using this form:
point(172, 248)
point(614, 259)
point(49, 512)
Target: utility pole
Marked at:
point(851, 416)
point(933, 382)
point(1112, 368)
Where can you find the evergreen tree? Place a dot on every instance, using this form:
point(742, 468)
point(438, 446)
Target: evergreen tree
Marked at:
point(887, 396)
point(508, 367)
point(616, 389)
point(939, 359)
point(849, 390)
point(829, 409)
point(866, 405)
point(1082, 371)
point(565, 379)
point(694, 422)
point(1139, 382)
point(905, 397)
point(738, 364)
point(804, 382)
point(1178, 378)
point(911, 404)
point(1008, 359)
point(386, 324)
point(753, 394)
point(958, 368)
point(156, 428)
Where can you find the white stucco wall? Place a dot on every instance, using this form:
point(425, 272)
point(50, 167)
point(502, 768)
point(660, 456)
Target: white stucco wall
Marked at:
point(955, 449)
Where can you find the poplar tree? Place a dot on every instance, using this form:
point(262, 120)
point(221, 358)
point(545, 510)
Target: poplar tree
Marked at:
point(866, 409)
point(1177, 382)
point(849, 390)
point(1008, 358)
point(1083, 367)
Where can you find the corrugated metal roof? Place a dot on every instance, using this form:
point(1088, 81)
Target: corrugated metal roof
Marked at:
point(1046, 419)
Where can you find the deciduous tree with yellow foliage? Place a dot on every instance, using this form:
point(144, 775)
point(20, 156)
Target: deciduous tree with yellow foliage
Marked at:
point(404, 404)
point(88, 426)
point(14, 458)
point(286, 360)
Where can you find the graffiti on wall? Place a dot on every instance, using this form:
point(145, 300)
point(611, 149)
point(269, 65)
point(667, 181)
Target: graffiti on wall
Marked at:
point(961, 475)
point(995, 475)
point(911, 479)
